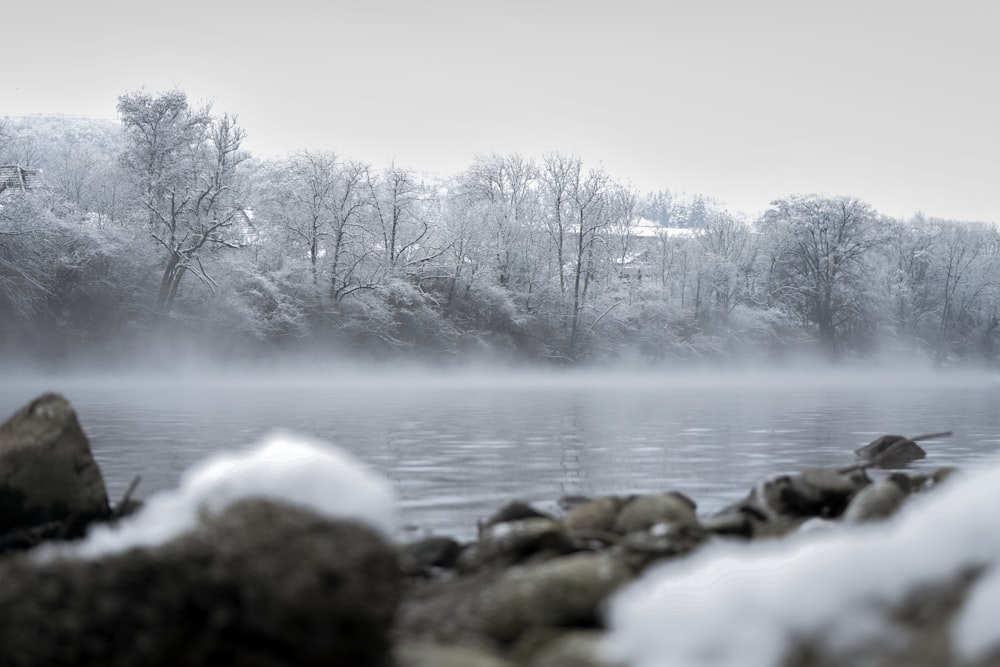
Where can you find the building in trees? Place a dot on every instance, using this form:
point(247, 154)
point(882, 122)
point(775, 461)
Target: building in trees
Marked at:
point(16, 177)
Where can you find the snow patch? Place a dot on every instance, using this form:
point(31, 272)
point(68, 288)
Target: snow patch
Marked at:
point(741, 604)
point(284, 467)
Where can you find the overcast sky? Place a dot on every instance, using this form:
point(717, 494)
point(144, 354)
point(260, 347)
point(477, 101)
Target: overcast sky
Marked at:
point(895, 102)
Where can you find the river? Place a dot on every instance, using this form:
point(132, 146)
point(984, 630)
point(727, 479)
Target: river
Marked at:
point(456, 446)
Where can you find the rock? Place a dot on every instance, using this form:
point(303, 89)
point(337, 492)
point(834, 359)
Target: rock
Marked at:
point(781, 504)
point(562, 592)
point(644, 512)
point(420, 558)
point(593, 516)
point(891, 451)
point(729, 524)
point(514, 511)
point(47, 472)
point(879, 500)
point(262, 583)
point(640, 549)
point(820, 492)
point(492, 608)
point(576, 648)
point(421, 654)
point(514, 541)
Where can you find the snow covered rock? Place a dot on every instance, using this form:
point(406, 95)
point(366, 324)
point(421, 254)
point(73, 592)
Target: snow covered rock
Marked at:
point(285, 468)
point(920, 588)
point(257, 583)
point(47, 472)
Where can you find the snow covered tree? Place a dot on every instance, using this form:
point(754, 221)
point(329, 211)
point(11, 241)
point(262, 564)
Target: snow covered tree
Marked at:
point(820, 247)
point(186, 166)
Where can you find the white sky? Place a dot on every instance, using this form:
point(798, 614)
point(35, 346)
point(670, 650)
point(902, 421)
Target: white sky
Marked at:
point(892, 101)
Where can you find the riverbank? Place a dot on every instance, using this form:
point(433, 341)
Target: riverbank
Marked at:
point(290, 554)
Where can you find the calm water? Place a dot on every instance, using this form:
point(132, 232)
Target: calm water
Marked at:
point(456, 447)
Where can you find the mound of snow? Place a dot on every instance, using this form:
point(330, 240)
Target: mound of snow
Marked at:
point(740, 604)
point(288, 468)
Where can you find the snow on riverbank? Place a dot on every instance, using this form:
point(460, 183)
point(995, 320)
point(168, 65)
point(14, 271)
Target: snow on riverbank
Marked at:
point(741, 604)
point(285, 467)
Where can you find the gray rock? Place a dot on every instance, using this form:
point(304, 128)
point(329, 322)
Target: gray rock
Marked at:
point(47, 472)
point(594, 516)
point(422, 654)
point(576, 648)
point(562, 592)
point(820, 492)
point(511, 542)
point(260, 584)
point(891, 451)
point(640, 549)
point(423, 556)
point(494, 607)
point(514, 511)
point(729, 524)
point(644, 512)
point(879, 500)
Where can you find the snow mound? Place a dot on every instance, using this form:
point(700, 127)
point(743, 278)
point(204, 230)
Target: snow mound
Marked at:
point(284, 467)
point(740, 604)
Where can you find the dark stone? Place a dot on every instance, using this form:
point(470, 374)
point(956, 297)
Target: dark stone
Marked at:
point(512, 542)
point(47, 472)
point(260, 584)
point(515, 511)
point(891, 451)
point(420, 558)
point(493, 608)
point(820, 492)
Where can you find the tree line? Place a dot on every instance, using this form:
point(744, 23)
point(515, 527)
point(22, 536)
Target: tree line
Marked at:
point(164, 228)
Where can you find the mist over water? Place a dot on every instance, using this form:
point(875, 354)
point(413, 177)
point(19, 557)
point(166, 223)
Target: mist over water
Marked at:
point(457, 444)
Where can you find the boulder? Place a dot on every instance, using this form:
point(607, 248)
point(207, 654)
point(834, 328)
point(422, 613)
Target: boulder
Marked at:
point(644, 512)
point(640, 549)
point(562, 592)
point(511, 542)
point(422, 557)
point(514, 511)
point(421, 654)
point(593, 516)
point(891, 451)
point(575, 648)
point(47, 472)
point(821, 492)
point(492, 608)
point(878, 500)
point(262, 583)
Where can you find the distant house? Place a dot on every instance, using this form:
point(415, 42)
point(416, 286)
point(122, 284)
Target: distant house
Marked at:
point(16, 177)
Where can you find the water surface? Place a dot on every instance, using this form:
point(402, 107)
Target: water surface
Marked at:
point(458, 446)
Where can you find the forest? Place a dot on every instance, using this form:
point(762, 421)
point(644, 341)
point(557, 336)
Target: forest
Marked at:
point(160, 235)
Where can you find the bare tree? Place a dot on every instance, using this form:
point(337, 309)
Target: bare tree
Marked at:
point(186, 164)
point(821, 244)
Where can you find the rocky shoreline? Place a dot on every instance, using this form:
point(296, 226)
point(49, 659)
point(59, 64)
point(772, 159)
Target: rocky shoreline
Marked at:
point(259, 581)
